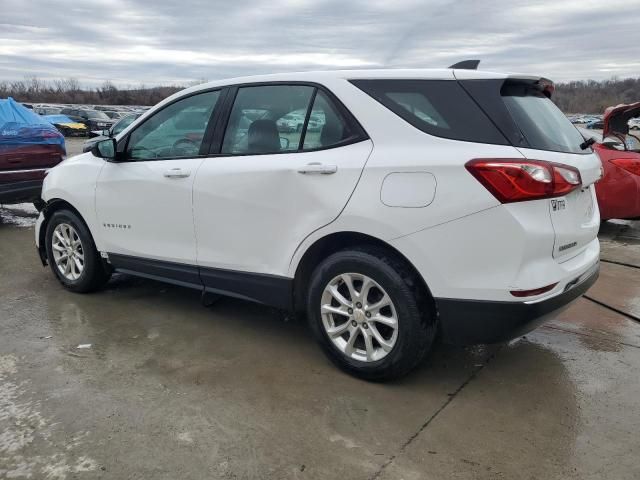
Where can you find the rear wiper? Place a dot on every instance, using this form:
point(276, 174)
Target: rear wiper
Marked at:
point(587, 143)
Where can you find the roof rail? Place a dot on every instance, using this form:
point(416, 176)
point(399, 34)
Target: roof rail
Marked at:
point(466, 65)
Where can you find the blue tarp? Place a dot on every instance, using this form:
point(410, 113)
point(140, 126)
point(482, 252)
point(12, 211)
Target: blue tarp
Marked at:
point(57, 119)
point(21, 126)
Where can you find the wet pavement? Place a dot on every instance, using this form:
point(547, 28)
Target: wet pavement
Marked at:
point(168, 389)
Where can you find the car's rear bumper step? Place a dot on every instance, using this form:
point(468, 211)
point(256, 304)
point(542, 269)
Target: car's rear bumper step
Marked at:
point(469, 322)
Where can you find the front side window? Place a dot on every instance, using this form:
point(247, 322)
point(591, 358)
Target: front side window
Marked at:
point(327, 127)
point(267, 119)
point(176, 131)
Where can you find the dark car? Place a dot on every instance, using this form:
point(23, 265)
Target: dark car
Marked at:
point(93, 119)
point(114, 115)
point(29, 146)
point(117, 127)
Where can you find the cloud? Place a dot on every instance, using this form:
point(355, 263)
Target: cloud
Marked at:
point(132, 42)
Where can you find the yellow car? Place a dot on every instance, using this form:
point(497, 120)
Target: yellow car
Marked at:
point(66, 126)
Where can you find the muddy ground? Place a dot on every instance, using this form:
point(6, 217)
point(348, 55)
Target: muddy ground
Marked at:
point(169, 389)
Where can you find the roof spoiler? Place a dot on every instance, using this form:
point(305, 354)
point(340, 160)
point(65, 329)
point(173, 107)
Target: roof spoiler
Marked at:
point(466, 65)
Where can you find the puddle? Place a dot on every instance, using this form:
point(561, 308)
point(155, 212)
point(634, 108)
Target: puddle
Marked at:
point(19, 215)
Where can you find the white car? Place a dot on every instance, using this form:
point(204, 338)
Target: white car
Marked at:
point(452, 201)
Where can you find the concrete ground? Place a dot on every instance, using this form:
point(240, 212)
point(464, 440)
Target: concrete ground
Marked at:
point(169, 389)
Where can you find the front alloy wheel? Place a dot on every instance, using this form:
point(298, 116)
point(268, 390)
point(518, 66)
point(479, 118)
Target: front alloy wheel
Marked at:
point(67, 250)
point(72, 254)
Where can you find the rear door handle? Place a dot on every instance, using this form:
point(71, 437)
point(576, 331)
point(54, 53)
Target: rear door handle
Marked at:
point(177, 173)
point(318, 169)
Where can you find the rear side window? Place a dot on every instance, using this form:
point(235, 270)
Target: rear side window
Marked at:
point(541, 123)
point(438, 107)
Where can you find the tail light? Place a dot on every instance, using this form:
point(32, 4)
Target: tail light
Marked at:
point(513, 180)
point(629, 164)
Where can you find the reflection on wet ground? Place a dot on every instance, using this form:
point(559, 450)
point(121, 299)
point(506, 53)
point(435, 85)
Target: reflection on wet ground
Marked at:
point(166, 388)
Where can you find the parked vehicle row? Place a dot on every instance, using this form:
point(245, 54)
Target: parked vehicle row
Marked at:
point(94, 119)
point(584, 119)
point(421, 201)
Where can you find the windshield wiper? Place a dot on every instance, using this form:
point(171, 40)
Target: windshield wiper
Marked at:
point(587, 143)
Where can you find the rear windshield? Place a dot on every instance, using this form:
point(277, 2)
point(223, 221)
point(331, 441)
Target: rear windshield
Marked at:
point(541, 123)
point(438, 107)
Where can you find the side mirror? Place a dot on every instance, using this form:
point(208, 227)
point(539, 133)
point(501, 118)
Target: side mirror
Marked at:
point(105, 149)
point(106, 132)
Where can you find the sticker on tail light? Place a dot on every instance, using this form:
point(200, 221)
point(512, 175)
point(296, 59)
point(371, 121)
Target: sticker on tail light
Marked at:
point(519, 180)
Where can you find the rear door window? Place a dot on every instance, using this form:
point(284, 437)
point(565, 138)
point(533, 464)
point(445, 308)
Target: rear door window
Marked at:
point(267, 119)
point(438, 107)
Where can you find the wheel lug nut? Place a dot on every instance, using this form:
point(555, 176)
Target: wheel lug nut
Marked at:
point(368, 314)
point(350, 310)
point(354, 323)
point(366, 325)
point(359, 305)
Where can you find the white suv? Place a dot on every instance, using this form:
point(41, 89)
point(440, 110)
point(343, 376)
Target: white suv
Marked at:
point(424, 201)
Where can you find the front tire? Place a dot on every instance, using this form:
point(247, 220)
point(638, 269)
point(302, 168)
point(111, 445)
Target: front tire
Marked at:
point(72, 255)
point(367, 311)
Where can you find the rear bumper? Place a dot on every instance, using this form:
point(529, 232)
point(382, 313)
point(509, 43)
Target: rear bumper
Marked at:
point(16, 192)
point(469, 322)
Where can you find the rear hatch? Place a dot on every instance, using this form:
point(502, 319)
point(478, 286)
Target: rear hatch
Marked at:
point(521, 108)
point(616, 119)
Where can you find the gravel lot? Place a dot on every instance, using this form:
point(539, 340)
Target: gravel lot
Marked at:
point(168, 389)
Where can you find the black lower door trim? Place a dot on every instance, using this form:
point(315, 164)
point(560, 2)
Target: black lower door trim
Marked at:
point(259, 287)
point(263, 288)
point(170, 272)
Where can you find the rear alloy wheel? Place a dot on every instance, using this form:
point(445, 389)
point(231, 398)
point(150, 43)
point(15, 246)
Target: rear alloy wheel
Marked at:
point(370, 313)
point(359, 317)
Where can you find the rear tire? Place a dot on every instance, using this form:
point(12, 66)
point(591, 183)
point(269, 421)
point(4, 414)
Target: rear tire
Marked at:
point(72, 255)
point(391, 351)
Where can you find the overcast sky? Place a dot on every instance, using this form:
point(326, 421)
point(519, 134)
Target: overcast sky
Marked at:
point(154, 42)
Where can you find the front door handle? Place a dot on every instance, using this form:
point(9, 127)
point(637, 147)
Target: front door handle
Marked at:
point(177, 173)
point(318, 169)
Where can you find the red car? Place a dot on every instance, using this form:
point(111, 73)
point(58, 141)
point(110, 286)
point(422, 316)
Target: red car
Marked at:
point(619, 190)
point(29, 146)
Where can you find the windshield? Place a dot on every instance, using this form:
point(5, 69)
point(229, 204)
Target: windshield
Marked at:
point(543, 125)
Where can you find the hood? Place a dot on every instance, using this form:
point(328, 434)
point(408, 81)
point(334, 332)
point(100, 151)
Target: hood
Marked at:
point(616, 119)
